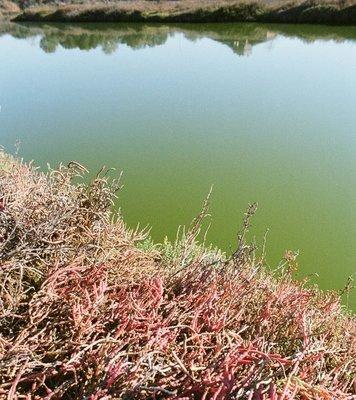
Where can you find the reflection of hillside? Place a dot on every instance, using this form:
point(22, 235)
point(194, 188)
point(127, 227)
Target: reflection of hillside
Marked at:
point(18, 31)
point(239, 37)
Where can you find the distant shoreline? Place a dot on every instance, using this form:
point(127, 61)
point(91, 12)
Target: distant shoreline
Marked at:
point(306, 12)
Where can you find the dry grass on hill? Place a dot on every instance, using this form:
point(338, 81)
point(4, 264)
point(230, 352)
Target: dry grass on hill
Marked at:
point(92, 310)
point(8, 8)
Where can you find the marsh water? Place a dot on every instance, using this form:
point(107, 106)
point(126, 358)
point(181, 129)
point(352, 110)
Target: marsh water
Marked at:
point(264, 113)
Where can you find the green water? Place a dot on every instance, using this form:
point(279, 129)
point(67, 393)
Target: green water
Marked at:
point(265, 113)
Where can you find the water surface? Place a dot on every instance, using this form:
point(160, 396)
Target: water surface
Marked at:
point(265, 113)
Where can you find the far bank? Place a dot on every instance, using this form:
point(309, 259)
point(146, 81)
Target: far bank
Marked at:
point(306, 12)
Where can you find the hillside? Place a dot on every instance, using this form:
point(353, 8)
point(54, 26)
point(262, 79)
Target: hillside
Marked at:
point(337, 12)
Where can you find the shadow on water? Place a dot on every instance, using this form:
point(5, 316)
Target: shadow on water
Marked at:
point(239, 37)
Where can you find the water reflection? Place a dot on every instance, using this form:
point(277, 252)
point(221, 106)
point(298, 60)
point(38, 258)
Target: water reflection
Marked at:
point(239, 37)
point(277, 127)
